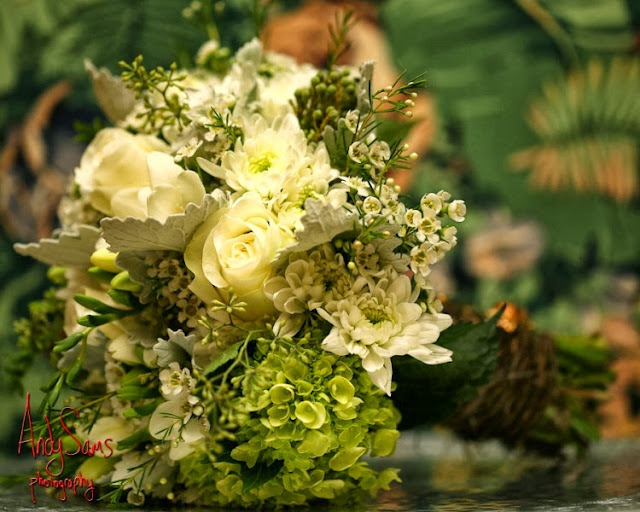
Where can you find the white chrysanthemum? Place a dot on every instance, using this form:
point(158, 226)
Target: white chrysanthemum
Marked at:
point(310, 281)
point(268, 157)
point(380, 321)
point(286, 76)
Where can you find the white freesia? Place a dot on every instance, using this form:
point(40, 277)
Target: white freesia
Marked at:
point(380, 321)
point(233, 251)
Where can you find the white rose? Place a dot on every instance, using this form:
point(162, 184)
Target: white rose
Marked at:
point(233, 250)
point(127, 175)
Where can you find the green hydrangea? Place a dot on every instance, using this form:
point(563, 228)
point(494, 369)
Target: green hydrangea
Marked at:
point(309, 418)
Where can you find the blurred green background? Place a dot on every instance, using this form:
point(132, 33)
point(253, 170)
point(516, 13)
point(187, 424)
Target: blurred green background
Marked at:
point(558, 80)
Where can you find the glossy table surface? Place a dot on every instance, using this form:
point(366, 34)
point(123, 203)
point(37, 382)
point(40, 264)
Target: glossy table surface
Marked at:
point(442, 474)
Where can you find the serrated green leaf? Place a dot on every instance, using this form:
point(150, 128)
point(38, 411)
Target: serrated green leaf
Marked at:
point(259, 474)
point(229, 354)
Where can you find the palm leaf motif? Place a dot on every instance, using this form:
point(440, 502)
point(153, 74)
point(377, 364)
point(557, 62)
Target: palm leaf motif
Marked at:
point(589, 128)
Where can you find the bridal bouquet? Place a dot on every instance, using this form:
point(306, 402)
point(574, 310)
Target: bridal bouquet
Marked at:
point(236, 273)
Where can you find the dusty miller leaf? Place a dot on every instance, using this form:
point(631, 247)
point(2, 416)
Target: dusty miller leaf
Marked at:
point(321, 223)
point(115, 99)
point(149, 234)
point(70, 249)
point(134, 263)
point(177, 348)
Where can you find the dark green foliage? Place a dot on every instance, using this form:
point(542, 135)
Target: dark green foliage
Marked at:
point(36, 334)
point(428, 394)
point(259, 474)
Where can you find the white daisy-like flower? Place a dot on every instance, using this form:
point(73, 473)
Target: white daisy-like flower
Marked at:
point(379, 154)
point(428, 228)
point(420, 260)
point(380, 321)
point(431, 202)
point(357, 151)
point(175, 381)
point(412, 218)
point(308, 283)
point(269, 156)
point(457, 210)
point(372, 205)
point(351, 120)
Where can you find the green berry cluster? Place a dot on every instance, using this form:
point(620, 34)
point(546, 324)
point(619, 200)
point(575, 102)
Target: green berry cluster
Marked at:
point(329, 97)
point(309, 418)
point(36, 334)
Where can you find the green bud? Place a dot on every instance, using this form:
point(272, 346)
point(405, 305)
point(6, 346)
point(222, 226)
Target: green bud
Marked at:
point(123, 282)
point(294, 370)
point(322, 368)
point(106, 260)
point(231, 486)
point(56, 275)
point(247, 453)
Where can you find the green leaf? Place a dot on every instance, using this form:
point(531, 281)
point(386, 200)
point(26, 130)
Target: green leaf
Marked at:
point(585, 427)
point(136, 392)
point(138, 437)
point(228, 355)
point(444, 387)
point(142, 410)
point(259, 474)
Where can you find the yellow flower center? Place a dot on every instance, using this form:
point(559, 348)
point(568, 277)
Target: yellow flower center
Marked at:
point(262, 163)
